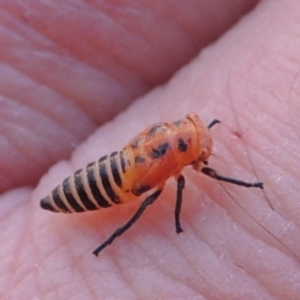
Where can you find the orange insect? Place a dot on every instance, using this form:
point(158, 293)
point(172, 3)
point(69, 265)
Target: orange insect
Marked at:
point(144, 165)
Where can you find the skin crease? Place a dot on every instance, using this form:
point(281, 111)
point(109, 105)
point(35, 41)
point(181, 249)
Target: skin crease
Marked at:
point(247, 79)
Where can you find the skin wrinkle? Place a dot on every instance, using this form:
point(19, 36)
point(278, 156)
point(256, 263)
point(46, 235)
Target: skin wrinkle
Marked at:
point(237, 161)
point(142, 40)
point(173, 276)
point(50, 287)
point(290, 251)
point(36, 277)
point(264, 287)
point(151, 12)
point(241, 207)
point(292, 91)
point(260, 152)
point(262, 227)
point(130, 65)
point(235, 158)
point(273, 140)
point(188, 263)
point(51, 280)
point(22, 240)
point(179, 250)
point(268, 116)
point(28, 130)
point(58, 121)
point(122, 275)
point(242, 225)
point(265, 283)
point(264, 136)
point(275, 161)
point(200, 237)
point(16, 284)
point(167, 274)
point(127, 67)
point(15, 149)
point(42, 110)
point(79, 273)
point(187, 32)
point(118, 62)
point(28, 155)
point(113, 270)
point(259, 283)
point(40, 276)
point(237, 120)
point(23, 32)
point(38, 112)
point(38, 77)
point(89, 287)
point(118, 270)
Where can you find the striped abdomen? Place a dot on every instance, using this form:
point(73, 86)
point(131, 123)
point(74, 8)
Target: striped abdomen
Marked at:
point(100, 184)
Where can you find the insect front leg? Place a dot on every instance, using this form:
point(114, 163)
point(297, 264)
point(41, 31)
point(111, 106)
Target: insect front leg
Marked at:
point(180, 187)
point(149, 200)
point(212, 173)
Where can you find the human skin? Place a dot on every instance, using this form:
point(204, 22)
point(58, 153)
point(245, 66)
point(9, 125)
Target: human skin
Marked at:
point(51, 105)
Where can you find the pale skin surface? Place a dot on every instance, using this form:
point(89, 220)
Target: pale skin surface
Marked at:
point(244, 80)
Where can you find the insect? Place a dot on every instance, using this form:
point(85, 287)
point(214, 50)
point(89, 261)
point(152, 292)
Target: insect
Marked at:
point(143, 166)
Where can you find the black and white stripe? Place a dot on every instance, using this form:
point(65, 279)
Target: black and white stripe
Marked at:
point(97, 185)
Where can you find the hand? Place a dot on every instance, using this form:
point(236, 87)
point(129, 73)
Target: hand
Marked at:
point(69, 69)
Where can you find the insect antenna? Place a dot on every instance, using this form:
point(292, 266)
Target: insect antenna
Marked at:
point(213, 123)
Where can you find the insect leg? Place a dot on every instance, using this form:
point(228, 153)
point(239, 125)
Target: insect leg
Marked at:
point(212, 173)
point(149, 200)
point(180, 187)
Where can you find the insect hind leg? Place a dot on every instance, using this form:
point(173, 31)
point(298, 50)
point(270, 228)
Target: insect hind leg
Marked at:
point(149, 200)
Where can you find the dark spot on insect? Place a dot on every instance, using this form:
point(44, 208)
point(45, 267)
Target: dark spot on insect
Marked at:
point(128, 162)
point(139, 191)
point(189, 140)
point(177, 123)
point(205, 162)
point(160, 151)
point(139, 159)
point(182, 146)
point(127, 191)
point(135, 144)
